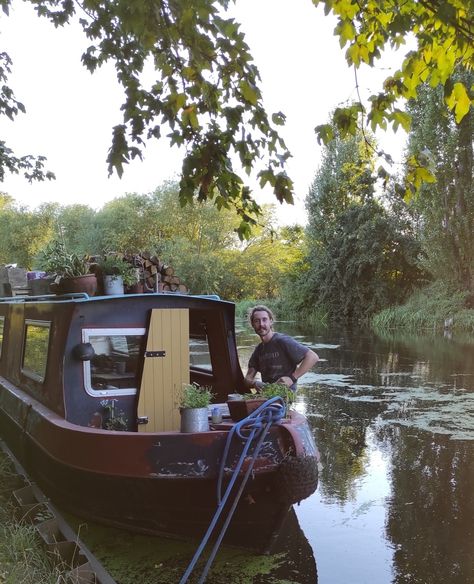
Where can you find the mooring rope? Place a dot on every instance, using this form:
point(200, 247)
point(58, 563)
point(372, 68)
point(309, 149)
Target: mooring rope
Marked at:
point(253, 427)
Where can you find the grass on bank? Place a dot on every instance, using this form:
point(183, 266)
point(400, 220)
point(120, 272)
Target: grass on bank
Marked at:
point(23, 559)
point(432, 309)
point(282, 309)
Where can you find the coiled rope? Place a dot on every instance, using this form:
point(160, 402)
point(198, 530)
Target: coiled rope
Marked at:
point(254, 427)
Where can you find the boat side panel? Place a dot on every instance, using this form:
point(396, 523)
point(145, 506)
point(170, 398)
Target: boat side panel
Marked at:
point(213, 318)
point(48, 391)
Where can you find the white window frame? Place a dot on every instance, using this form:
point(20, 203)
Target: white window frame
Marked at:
point(86, 334)
point(29, 372)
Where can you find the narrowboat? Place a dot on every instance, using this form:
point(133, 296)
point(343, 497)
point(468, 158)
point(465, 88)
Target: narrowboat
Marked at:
point(88, 404)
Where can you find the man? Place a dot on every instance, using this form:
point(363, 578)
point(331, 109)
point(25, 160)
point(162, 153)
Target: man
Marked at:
point(278, 358)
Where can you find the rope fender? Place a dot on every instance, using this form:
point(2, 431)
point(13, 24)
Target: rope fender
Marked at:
point(297, 478)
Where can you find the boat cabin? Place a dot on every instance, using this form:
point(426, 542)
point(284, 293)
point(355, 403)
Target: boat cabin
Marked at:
point(118, 362)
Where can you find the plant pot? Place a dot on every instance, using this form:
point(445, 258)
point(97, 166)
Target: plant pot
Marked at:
point(113, 285)
point(87, 284)
point(241, 408)
point(40, 287)
point(134, 289)
point(194, 419)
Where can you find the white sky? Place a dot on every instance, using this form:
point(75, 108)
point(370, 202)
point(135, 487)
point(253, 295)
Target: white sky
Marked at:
point(70, 113)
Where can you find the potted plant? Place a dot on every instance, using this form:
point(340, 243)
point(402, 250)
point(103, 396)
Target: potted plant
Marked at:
point(249, 402)
point(71, 271)
point(116, 272)
point(194, 402)
point(132, 281)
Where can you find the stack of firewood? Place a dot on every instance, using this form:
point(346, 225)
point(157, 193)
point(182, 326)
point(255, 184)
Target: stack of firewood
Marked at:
point(156, 275)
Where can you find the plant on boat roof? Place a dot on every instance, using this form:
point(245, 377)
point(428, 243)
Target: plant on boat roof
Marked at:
point(56, 259)
point(114, 265)
point(195, 396)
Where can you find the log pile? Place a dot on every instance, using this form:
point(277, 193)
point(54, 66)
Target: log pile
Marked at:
point(155, 274)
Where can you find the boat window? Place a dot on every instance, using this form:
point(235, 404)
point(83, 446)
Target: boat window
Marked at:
point(2, 326)
point(199, 354)
point(114, 368)
point(35, 354)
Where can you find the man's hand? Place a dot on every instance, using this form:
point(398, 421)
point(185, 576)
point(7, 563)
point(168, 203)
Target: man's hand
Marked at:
point(286, 380)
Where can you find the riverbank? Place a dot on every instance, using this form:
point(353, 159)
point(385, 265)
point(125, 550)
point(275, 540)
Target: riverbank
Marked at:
point(23, 560)
point(435, 308)
point(128, 557)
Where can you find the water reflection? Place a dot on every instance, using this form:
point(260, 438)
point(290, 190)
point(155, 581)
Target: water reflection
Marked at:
point(393, 415)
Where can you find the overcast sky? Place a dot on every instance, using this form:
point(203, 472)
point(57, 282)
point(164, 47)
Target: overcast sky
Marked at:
point(70, 113)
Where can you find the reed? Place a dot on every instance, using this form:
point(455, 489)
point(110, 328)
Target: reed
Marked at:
point(433, 308)
point(23, 559)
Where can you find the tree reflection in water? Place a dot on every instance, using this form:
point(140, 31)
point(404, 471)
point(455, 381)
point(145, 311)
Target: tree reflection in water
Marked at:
point(408, 401)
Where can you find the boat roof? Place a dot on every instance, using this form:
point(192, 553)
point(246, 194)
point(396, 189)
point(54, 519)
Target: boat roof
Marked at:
point(83, 297)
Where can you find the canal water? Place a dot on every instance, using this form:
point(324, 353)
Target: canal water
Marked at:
point(393, 416)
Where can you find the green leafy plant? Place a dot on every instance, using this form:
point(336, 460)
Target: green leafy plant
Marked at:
point(115, 419)
point(114, 265)
point(195, 396)
point(270, 390)
point(56, 259)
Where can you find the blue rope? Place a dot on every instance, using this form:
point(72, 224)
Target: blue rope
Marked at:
point(255, 426)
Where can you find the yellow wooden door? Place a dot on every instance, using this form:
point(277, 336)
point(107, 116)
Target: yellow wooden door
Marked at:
point(165, 370)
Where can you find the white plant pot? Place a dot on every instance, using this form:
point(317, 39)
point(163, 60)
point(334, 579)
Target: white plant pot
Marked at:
point(113, 285)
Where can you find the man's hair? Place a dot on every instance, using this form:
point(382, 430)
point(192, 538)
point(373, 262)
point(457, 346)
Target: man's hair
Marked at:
point(259, 308)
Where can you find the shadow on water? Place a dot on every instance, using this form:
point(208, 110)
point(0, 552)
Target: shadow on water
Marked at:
point(137, 559)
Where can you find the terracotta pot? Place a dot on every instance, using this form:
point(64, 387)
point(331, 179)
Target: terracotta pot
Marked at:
point(87, 284)
point(241, 408)
point(135, 289)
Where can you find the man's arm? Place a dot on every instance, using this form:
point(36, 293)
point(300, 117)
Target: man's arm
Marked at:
point(250, 378)
point(309, 360)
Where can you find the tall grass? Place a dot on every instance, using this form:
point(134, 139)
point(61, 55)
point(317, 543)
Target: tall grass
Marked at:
point(429, 309)
point(282, 311)
point(23, 559)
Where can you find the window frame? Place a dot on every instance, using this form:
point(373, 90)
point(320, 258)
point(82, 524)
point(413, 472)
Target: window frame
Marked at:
point(24, 370)
point(86, 335)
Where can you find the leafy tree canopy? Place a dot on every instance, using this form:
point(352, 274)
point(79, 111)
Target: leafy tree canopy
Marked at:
point(206, 92)
point(443, 35)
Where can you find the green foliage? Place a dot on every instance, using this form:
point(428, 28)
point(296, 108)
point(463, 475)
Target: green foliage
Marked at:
point(443, 36)
point(113, 265)
point(370, 262)
point(195, 396)
point(270, 390)
point(205, 95)
point(428, 309)
point(56, 259)
point(32, 167)
point(361, 257)
point(446, 208)
point(22, 232)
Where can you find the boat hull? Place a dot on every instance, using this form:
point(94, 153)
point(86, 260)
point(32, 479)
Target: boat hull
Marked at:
point(163, 483)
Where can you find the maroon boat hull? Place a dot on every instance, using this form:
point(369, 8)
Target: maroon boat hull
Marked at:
point(65, 362)
point(164, 484)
